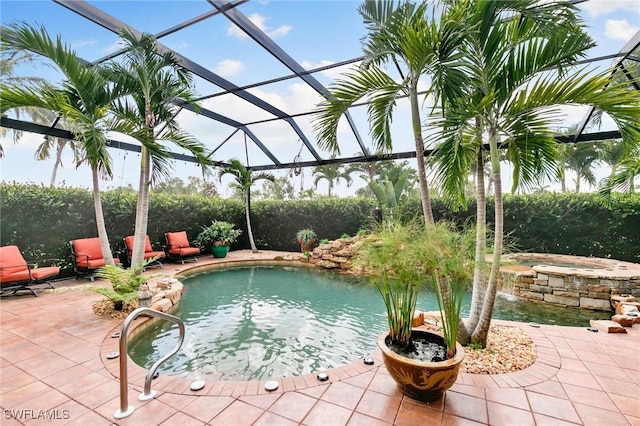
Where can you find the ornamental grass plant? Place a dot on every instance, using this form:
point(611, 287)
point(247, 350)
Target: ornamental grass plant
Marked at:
point(402, 258)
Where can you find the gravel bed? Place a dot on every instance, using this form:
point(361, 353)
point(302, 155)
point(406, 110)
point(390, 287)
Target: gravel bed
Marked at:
point(508, 349)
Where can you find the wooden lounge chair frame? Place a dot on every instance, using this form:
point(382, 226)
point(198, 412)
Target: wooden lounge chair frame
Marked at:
point(17, 274)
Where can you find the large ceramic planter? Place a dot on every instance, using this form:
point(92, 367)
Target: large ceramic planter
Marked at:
point(219, 251)
point(421, 380)
point(306, 248)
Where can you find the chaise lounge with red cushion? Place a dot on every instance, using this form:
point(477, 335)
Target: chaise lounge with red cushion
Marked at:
point(149, 253)
point(16, 274)
point(87, 256)
point(178, 247)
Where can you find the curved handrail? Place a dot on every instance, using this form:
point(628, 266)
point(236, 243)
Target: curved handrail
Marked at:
point(125, 409)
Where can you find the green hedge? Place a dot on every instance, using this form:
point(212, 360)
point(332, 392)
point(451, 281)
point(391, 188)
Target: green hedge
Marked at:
point(42, 220)
point(576, 224)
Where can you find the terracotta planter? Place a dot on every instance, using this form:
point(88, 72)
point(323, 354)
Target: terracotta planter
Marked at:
point(421, 380)
point(306, 248)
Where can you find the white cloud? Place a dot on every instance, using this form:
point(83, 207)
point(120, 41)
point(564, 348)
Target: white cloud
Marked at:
point(82, 43)
point(228, 67)
point(604, 7)
point(260, 22)
point(619, 29)
point(113, 47)
point(332, 73)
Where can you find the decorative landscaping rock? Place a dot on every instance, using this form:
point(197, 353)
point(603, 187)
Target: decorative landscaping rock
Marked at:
point(625, 308)
point(607, 326)
point(625, 321)
point(162, 305)
point(327, 264)
point(598, 304)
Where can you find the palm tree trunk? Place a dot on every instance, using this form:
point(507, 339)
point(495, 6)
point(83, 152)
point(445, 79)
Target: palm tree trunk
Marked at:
point(481, 331)
point(142, 209)
point(247, 210)
point(102, 229)
point(59, 148)
point(422, 175)
point(479, 274)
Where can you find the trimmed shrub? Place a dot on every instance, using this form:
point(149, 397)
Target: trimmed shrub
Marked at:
point(42, 220)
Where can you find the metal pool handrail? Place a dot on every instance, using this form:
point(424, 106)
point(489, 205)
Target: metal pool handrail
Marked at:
point(126, 410)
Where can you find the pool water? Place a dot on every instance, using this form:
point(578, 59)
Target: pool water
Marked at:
point(254, 323)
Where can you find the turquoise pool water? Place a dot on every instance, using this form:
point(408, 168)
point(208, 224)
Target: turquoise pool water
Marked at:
point(259, 322)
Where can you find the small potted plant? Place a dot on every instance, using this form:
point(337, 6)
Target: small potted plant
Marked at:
point(306, 238)
point(401, 259)
point(217, 237)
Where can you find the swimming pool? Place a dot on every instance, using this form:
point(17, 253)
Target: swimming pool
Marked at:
point(254, 323)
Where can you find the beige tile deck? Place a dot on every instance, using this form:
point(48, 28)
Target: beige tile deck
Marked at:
point(53, 370)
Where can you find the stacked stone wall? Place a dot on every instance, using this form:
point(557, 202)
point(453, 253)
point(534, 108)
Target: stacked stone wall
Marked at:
point(589, 289)
point(568, 290)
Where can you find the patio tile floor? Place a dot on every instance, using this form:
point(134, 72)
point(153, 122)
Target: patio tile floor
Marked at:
point(53, 371)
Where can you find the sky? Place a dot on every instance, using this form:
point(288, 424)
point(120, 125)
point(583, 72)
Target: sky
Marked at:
point(314, 33)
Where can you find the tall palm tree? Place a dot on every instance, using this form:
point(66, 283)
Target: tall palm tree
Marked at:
point(8, 62)
point(149, 116)
point(402, 35)
point(393, 186)
point(244, 180)
point(581, 159)
point(623, 175)
point(511, 103)
point(82, 99)
point(332, 173)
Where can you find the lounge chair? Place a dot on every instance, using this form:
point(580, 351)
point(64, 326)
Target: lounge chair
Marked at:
point(178, 247)
point(87, 256)
point(16, 274)
point(149, 253)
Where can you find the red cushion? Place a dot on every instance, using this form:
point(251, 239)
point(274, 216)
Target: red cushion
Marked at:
point(152, 254)
point(89, 253)
point(128, 241)
point(184, 251)
point(45, 272)
point(11, 261)
point(87, 248)
point(15, 277)
point(13, 267)
point(177, 239)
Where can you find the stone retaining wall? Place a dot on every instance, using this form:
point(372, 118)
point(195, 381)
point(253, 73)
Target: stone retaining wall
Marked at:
point(588, 287)
point(334, 254)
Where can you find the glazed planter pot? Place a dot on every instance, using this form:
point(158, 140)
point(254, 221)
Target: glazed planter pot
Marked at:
point(421, 380)
point(219, 251)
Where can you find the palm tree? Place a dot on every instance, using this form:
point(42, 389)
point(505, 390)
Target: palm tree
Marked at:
point(279, 189)
point(8, 63)
point(244, 179)
point(622, 176)
point(149, 116)
point(332, 173)
point(82, 99)
point(394, 184)
point(511, 103)
point(400, 35)
point(581, 159)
